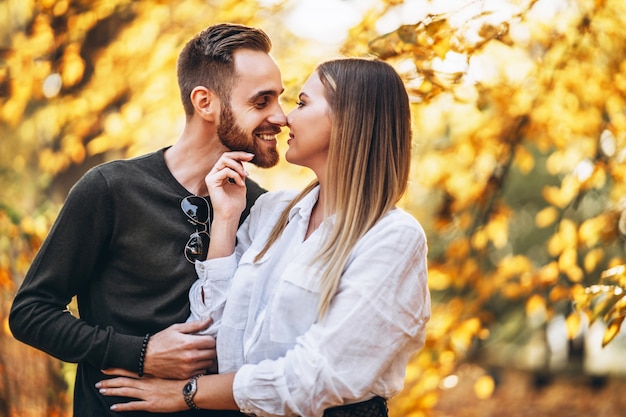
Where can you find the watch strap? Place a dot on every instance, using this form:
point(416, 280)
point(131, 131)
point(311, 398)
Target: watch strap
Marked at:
point(189, 391)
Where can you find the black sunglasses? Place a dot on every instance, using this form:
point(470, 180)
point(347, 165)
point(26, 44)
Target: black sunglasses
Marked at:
point(198, 211)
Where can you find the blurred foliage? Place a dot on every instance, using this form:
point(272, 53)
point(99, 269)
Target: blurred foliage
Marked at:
point(83, 82)
point(605, 301)
point(520, 124)
point(518, 176)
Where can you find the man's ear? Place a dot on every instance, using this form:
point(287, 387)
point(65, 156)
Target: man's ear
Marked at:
point(206, 103)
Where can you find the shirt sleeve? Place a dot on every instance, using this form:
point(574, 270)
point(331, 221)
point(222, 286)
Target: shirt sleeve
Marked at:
point(207, 295)
point(62, 269)
point(374, 325)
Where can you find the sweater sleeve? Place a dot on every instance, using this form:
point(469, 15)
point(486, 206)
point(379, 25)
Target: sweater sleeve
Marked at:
point(62, 269)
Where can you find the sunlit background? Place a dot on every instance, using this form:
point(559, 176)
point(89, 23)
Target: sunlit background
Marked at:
point(519, 175)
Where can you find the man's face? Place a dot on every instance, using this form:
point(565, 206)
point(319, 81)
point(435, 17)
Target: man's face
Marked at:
point(253, 118)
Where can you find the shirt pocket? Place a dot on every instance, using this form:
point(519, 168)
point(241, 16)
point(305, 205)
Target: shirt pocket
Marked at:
point(294, 306)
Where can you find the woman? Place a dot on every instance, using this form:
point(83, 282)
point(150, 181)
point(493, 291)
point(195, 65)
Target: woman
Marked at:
point(329, 296)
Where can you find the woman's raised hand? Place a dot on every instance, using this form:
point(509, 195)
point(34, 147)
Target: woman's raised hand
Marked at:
point(227, 186)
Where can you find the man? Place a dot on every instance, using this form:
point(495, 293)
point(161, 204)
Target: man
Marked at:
point(126, 238)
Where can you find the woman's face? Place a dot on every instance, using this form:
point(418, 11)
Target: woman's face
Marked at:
point(310, 126)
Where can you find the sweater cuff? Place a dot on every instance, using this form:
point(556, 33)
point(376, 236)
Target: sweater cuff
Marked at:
point(123, 352)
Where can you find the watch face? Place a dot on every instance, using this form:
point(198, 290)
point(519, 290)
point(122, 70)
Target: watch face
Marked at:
point(188, 389)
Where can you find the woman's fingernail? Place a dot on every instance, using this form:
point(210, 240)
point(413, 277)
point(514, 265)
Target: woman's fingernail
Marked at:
point(102, 391)
point(113, 407)
point(98, 384)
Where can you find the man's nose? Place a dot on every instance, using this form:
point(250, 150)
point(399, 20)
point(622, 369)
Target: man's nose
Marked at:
point(278, 116)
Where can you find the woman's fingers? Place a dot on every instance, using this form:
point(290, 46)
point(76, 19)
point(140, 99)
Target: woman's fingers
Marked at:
point(120, 372)
point(229, 168)
point(234, 161)
point(134, 406)
point(118, 382)
point(231, 175)
point(150, 394)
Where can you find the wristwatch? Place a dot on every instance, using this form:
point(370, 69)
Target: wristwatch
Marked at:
point(189, 390)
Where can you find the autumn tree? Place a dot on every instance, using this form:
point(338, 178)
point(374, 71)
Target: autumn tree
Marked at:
point(81, 83)
point(520, 126)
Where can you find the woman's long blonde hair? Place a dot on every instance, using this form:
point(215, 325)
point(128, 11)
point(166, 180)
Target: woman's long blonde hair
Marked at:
point(368, 160)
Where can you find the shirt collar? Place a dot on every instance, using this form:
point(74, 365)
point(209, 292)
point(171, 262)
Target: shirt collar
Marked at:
point(305, 206)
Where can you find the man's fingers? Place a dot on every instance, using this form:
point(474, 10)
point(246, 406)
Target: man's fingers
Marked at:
point(201, 366)
point(194, 326)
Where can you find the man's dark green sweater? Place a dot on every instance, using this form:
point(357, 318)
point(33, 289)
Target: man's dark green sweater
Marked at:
point(118, 246)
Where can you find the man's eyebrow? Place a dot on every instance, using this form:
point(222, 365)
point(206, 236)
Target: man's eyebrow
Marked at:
point(264, 93)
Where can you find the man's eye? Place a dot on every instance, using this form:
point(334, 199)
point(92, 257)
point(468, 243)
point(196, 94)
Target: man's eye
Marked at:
point(261, 103)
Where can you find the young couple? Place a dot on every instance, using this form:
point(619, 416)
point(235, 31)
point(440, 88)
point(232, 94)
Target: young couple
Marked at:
point(317, 300)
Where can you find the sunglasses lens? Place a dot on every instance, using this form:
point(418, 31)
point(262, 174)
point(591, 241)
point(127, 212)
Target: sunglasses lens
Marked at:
point(196, 208)
point(197, 246)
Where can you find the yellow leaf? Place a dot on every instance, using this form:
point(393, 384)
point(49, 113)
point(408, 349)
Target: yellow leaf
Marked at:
point(524, 160)
point(555, 244)
point(559, 293)
point(606, 298)
point(614, 276)
point(462, 336)
point(429, 400)
point(546, 217)
point(514, 265)
point(441, 47)
point(574, 273)
point(512, 290)
point(568, 230)
point(536, 304)
point(438, 279)
point(480, 239)
point(572, 324)
point(581, 298)
point(484, 387)
point(549, 274)
point(498, 230)
point(612, 330)
point(595, 229)
point(73, 66)
point(592, 259)
point(568, 259)
point(597, 180)
point(458, 249)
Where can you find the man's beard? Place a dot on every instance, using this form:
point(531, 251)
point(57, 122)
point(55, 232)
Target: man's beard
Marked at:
point(235, 139)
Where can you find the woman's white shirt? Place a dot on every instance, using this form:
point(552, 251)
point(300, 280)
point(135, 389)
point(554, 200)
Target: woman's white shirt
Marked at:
point(287, 361)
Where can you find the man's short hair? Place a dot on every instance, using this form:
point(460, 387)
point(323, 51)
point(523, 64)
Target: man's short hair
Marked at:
point(207, 59)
